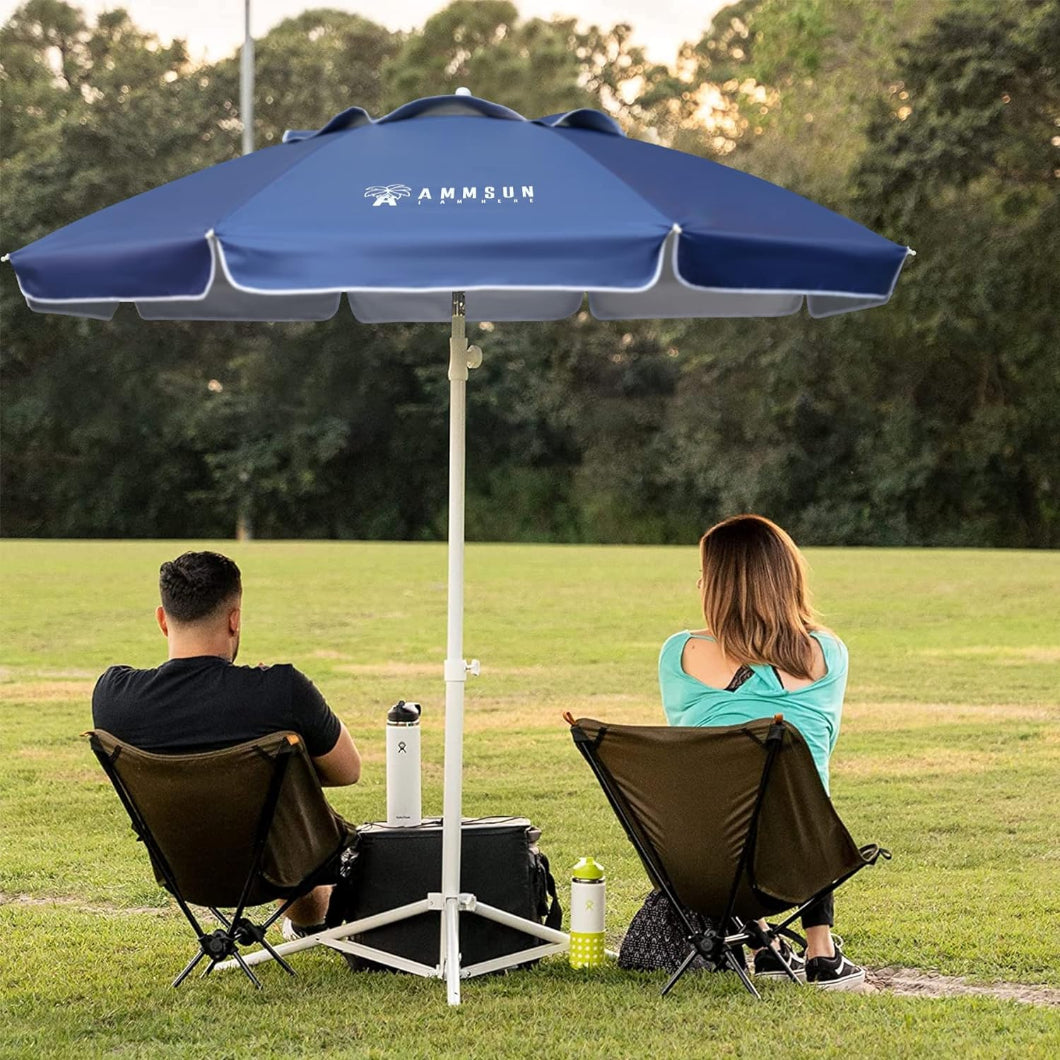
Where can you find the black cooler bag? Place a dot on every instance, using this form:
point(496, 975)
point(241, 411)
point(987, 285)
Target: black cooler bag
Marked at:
point(499, 863)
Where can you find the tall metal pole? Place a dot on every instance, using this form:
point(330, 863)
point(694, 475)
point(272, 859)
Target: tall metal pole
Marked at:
point(244, 530)
point(455, 667)
point(246, 83)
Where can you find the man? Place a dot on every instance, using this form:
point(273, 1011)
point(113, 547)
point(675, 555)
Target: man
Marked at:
point(199, 700)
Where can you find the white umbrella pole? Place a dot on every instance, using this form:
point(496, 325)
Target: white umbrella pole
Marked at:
point(456, 669)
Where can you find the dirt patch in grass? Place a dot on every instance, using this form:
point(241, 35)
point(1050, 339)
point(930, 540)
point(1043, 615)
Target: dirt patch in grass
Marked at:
point(506, 714)
point(913, 983)
point(909, 715)
point(1012, 654)
point(939, 761)
point(80, 906)
point(47, 691)
point(390, 669)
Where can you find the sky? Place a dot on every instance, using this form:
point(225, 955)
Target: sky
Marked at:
point(214, 28)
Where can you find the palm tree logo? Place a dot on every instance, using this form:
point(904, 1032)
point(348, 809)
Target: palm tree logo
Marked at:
point(387, 195)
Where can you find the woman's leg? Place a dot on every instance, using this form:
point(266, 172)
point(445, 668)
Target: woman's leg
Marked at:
point(826, 967)
point(817, 921)
point(819, 941)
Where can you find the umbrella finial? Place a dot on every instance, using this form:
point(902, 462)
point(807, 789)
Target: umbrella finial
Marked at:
point(462, 92)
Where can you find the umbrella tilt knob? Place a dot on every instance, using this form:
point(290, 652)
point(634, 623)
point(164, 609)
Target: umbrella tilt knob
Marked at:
point(473, 667)
point(474, 356)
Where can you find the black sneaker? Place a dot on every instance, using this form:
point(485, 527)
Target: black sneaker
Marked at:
point(768, 966)
point(833, 973)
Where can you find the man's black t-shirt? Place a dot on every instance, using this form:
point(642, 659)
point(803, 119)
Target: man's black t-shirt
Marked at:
point(205, 703)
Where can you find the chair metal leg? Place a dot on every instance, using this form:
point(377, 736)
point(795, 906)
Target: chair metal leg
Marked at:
point(223, 945)
point(787, 969)
point(243, 964)
point(763, 938)
point(188, 968)
point(738, 968)
point(692, 954)
point(276, 957)
point(247, 933)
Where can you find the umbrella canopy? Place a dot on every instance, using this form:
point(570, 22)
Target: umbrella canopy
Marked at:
point(526, 217)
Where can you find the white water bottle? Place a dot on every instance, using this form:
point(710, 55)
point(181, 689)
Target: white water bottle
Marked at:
point(587, 906)
point(403, 804)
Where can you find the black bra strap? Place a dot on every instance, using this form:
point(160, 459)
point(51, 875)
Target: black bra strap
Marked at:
point(738, 678)
point(743, 674)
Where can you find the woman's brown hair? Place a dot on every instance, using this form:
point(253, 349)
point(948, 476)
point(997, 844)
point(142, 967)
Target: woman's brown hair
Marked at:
point(756, 601)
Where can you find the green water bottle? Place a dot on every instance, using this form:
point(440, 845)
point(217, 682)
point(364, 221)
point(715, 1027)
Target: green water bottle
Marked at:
point(587, 905)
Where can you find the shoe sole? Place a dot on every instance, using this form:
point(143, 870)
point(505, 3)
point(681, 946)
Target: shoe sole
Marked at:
point(800, 974)
point(839, 984)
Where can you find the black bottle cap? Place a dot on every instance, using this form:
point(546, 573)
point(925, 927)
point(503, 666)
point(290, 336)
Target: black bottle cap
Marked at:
point(402, 713)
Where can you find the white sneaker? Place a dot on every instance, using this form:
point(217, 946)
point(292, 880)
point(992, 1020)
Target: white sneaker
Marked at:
point(293, 932)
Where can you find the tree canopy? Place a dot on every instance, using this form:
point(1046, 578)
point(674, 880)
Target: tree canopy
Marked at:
point(933, 420)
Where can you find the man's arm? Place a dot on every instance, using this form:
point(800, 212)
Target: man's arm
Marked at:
point(316, 722)
point(342, 764)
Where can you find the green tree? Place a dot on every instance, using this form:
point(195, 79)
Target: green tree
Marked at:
point(307, 69)
point(964, 155)
point(566, 415)
point(933, 420)
point(536, 67)
point(796, 81)
point(95, 114)
point(114, 429)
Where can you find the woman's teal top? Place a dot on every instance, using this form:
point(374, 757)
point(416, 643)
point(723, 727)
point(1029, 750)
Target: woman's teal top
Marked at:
point(814, 710)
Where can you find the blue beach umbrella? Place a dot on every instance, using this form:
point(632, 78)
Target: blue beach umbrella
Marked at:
point(448, 209)
point(455, 193)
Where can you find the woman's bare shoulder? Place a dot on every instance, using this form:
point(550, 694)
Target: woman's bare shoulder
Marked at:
point(829, 641)
point(703, 659)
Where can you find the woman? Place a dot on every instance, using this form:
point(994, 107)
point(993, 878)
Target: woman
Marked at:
point(763, 653)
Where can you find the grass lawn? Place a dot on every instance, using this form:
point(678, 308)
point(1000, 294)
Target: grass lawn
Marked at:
point(950, 756)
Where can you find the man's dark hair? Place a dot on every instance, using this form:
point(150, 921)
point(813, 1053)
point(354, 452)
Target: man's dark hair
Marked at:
point(197, 584)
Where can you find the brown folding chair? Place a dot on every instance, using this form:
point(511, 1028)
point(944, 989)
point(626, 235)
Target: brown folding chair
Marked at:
point(730, 822)
point(229, 829)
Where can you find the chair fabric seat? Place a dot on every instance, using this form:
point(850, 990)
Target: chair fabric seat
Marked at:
point(693, 791)
point(203, 811)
